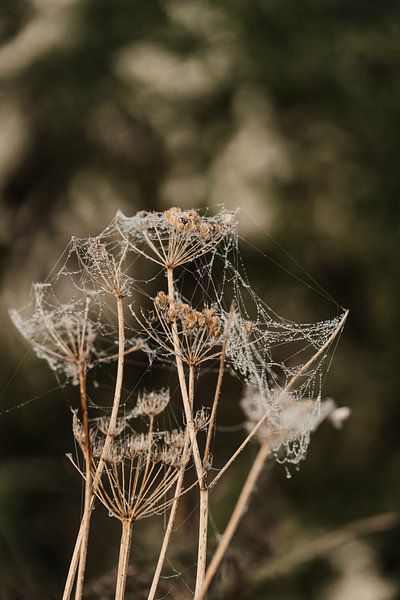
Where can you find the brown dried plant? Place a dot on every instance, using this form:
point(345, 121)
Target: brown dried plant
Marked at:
point(216, 318)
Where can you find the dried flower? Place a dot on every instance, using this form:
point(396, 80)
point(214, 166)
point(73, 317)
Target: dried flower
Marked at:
point(289, 420)
point(201, 419)
point(175, 438)
point(101, 261)
point(175, 237)
point(61, 333)
point(151, 403)
point(200, 331)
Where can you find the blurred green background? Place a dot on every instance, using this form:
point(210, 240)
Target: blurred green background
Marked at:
point(289, 110)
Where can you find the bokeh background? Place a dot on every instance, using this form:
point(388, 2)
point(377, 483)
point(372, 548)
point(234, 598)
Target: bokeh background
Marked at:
point(288, 110)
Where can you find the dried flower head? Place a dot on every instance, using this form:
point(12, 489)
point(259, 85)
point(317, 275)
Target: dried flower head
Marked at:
point(102, 264)
point(289, 421)
point(201, 418)
point(79, 432)
point(138, 443)
point(175, 438)
point(173, 457)
point(139, 474)
point(200, 331)
point(151, 403)
point(102, 424)
point(61, 333)
point(175, 237)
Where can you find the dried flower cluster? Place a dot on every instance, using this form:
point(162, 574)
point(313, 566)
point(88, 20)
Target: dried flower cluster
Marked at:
point(140, 469)
point(191, 320)
point(288, 420)
point(152, 403)
point(175, 237)
point(133, 465)
point(62, 333)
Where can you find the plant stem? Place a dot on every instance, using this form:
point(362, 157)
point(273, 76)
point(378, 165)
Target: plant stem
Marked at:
point(167, 534)
point(69, 584)
point(171, 521)
point(203, 508)
point(188, 407)
point(88, 487)
point(182, 381)
point(202, 545)
point(235, 517)
point(124, 551)
point(217, 393)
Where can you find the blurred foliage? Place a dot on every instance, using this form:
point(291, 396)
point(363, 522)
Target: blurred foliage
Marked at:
point(290, 110)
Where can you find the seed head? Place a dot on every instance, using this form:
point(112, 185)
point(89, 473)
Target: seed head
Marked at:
point(61, 333)
point(201, 419)
point(151, 403)
point(175, 438)
point(175, 237)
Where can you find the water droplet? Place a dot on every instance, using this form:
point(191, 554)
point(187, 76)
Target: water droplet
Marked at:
point(288, 474)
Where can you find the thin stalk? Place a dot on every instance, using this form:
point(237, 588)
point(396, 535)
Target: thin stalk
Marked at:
point(203, 510)
point(238, 512)
point(124, 552)
point(217, 393)
point(182, 381)
point(188, 404)
point(202, 544)
point(167, 534)
point(88, 487)
point(171, 521)
point(69, 584)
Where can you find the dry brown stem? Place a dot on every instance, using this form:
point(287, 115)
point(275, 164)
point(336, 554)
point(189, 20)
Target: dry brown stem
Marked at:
point(123, 562)
point(110, 435)
point(88, 488)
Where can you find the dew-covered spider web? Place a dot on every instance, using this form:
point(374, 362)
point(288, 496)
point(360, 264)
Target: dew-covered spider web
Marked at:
point(281, 364)
point(270, 354)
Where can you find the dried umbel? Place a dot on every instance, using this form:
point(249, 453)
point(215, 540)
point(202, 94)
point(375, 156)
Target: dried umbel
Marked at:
point(201, 419)
point(175, 438)
point(61, 333)
point(151, 403)
point(200, 331)
point(175, 237)
point(289, 420)
point(191, 321)
point(102, 263)
point(102, 424)
point(139, 473)
point(79, 432)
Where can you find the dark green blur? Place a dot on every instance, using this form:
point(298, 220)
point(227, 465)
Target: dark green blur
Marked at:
point(290, 110)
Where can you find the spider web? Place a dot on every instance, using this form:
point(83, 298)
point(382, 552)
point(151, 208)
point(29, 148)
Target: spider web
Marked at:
point(266, 352)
